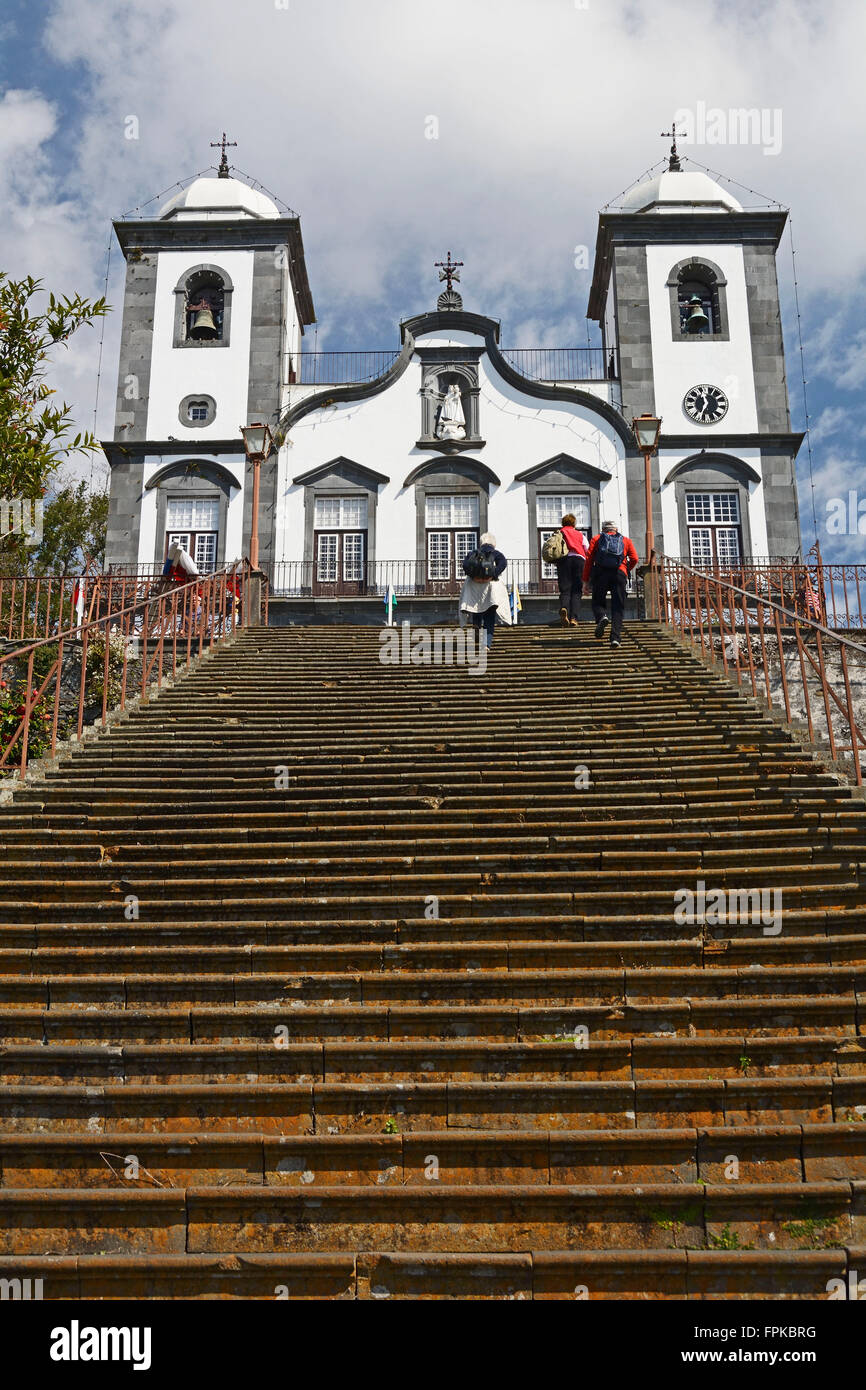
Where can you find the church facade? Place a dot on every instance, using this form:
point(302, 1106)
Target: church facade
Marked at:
point(389, 465)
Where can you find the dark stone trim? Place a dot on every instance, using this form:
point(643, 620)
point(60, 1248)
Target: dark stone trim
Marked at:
point(790, 441)
point(180, 340)
point(455, 478)
point(460, 319)
point(450, 446)
point(154, 234)
point(563, 462)
point(616, 228)
point(313, 475)
point(117, 452)
point(719, 284)
point(428, 322)
point(208, 471)
point(199, 486)
point(716, 475)
point(704, 459)
point(341, 478)
point(485, 476)
point(183, 416)
point(335, 394)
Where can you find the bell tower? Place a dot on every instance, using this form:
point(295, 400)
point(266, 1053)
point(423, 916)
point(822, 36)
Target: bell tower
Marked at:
point(685, 290)
point(215, 306)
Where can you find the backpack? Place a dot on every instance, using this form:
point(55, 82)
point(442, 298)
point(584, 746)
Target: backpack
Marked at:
point(480, 564)
point(610, 551)
point(554, 548)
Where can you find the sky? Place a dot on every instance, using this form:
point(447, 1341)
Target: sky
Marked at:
point(494, 128)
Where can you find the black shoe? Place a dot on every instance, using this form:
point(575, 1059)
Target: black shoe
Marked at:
point(600, 626)
point(615, 642)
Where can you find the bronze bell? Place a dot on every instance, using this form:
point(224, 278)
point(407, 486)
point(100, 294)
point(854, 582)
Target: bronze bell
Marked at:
point(203, 325)
point(697, 321)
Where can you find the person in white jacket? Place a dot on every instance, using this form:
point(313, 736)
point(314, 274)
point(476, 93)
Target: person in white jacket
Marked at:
point(485, 596)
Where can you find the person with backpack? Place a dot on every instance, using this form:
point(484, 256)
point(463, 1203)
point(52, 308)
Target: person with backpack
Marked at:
point(609, 562)
point(484, 595)
point(566, 548)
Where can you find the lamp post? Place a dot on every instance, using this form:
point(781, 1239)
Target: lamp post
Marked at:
point(259, 445)
point(646, 432)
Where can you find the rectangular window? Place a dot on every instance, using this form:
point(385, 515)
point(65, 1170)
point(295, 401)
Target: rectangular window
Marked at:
point(551, 507)
point(340, 513)
point(715, 535)
point(326, 559)
point(459, 510)
point(439, 554)
point(192, 513)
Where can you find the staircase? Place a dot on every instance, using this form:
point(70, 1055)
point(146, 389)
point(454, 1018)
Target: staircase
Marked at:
point(422, 1021)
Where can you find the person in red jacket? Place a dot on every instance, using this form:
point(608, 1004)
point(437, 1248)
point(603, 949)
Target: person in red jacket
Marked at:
point(569, 571)
point(610, 561)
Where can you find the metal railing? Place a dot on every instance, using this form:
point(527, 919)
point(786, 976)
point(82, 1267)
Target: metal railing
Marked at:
point(834, 595)
point(564, 364)
point(34, 606)
point(339, 368)
point(781, 656)
point(537, 364)
point(151, 636)
point(407, 579)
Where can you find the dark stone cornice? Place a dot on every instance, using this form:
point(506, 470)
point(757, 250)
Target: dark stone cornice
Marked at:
point(783, 442)
point(460, 320)
point(116, 451)
point(241, 234)
point(335, 395)
point(323, 469)
point(715, 456)
point(207, 466)
point(691, 228)
point(438, 465)
point(561, 461)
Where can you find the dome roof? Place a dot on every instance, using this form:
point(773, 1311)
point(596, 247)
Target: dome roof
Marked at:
point(216, 197)
point(675, 189)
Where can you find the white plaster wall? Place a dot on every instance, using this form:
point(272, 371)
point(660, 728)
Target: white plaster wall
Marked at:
point(680, 364)
point(379, 433)
point(220, 372)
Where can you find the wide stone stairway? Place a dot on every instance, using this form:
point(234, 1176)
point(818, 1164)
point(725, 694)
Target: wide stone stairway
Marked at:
point(322, 977)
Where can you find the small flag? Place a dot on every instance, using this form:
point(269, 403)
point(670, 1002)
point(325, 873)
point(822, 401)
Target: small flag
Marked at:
point(516, 605)
point(812, 605)
point(390, 602)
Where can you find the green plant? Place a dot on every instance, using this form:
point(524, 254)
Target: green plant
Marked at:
point(390, 1126)
point(745, 1063)
point(727, 1240)
point(809, 1229)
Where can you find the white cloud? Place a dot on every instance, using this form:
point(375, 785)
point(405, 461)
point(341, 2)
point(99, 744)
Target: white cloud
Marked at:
point(545, 111)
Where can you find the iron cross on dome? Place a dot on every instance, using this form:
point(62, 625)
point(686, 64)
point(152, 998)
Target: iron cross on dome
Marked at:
point(448, 270)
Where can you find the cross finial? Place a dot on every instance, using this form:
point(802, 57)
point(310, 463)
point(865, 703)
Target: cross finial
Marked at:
point(223, 170)
point(674, 166)
point(448, 271)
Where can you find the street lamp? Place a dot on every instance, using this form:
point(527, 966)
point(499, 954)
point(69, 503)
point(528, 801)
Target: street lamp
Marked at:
point(259, 445)
point(646, 432)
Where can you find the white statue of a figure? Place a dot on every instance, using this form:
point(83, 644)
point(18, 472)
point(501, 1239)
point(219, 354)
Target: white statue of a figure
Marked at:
point(452, 421)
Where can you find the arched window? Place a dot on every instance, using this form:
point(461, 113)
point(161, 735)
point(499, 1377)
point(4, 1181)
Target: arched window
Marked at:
point(698, 306)
point(203, 308)
point(205, 302)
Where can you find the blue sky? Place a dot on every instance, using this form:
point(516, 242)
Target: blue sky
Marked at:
point(546, 109)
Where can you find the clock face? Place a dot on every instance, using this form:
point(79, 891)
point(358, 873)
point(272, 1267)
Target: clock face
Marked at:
point(705, 404)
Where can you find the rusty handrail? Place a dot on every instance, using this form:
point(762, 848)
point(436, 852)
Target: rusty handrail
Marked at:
point(198, 611)
point(690, 601)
